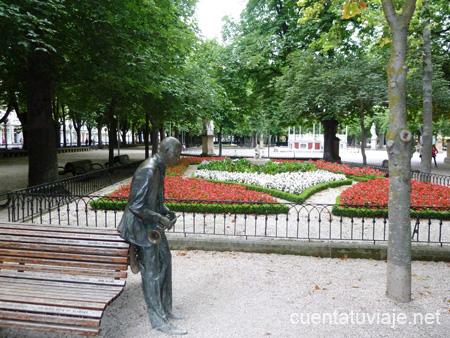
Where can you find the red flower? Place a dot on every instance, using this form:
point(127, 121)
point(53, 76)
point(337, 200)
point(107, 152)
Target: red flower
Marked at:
point(376, 192)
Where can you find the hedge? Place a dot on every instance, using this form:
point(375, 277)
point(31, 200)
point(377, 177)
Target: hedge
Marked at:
point(241, 208)
point(361, 211)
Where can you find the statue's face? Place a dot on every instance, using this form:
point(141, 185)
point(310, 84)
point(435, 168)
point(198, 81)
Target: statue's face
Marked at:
point(171, 152)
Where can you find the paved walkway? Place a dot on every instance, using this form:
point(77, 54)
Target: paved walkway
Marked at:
point(14, 171)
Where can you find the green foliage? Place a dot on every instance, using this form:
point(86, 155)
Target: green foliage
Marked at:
point(271, 168)
point(259, 209)
point(201, 207)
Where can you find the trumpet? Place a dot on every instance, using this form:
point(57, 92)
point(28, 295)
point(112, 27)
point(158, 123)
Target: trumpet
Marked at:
point(154, 236)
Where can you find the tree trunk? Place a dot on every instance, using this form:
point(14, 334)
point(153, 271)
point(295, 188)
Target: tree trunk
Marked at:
point(63, 122)
point(363, 132)
point(162, 132)
point(8, 111)
point(220, 140)
point(89, 128)
point(42, 150)
point(427, 136)
point(400, 150)
point(99, 132)
point(330, 141)
point(146, 135)
point(23, 118)
point(112, 131)
point(77, 128)
point(154, 136)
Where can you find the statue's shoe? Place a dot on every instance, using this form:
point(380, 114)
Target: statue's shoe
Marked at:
point(174, 316)
point(170, 329)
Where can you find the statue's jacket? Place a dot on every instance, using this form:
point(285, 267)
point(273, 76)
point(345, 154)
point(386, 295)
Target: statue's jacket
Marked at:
point(145, 202)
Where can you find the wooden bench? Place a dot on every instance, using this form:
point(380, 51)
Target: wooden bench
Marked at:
point(59, 279)
point(121, 159)
point(80, 167)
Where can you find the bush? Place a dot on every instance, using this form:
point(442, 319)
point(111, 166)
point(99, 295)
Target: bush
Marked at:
point(200, 206)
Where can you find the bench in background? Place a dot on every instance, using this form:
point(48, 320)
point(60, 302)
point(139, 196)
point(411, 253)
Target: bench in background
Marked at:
point(59, 279)
point(80, 167)
point(119, 160)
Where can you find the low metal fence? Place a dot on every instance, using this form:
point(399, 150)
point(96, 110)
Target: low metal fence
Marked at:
point(302, 222)
point(26, 203)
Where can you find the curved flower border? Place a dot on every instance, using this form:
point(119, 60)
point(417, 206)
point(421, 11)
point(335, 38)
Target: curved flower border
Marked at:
point(293, 183)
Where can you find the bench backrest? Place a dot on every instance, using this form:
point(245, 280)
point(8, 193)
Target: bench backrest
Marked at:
point(85, 164)
point(121, 159)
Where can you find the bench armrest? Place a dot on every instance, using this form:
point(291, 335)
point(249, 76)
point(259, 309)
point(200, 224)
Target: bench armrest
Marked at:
point(62, 171)
point(97, 164)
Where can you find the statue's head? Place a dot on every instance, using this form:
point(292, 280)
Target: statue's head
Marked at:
point(169, 150)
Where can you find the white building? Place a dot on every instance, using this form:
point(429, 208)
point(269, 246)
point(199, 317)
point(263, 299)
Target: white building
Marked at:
point(11, 131)
point(311, 141)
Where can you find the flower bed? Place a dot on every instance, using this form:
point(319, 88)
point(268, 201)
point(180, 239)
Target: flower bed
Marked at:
point(371, 198)
point(366, 173)
point(181, 192)
point(178, 169)
point(284, 166)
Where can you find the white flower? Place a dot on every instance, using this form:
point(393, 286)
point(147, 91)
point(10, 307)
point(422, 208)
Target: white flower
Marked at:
point(293, 183)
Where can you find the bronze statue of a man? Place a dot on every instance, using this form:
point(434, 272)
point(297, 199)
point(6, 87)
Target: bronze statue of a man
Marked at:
point(145, 212)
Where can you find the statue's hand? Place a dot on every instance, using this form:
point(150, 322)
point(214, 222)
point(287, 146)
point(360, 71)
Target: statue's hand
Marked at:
point(167, 223)
point(172, 216)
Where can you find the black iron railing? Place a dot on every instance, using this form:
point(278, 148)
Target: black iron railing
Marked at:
point(26, 203)
point(305, 222)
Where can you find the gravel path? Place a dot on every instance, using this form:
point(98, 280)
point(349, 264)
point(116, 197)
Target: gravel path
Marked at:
point(256, 295)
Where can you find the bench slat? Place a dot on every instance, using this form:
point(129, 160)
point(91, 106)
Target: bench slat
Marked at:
point(62, 241)
point(50, 309)
point(86, 253)
point(16, 257)
point(56, 228)
point(34, 317)
point(54, 302)
point(56, 293)
point(67, 235)
point(86, 331)
point(60, 277)
point(63, 270)
point(104, 289)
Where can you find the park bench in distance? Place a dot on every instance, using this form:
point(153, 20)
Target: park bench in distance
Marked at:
point(119, 160)
point(80, 167)
point(59, 278)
